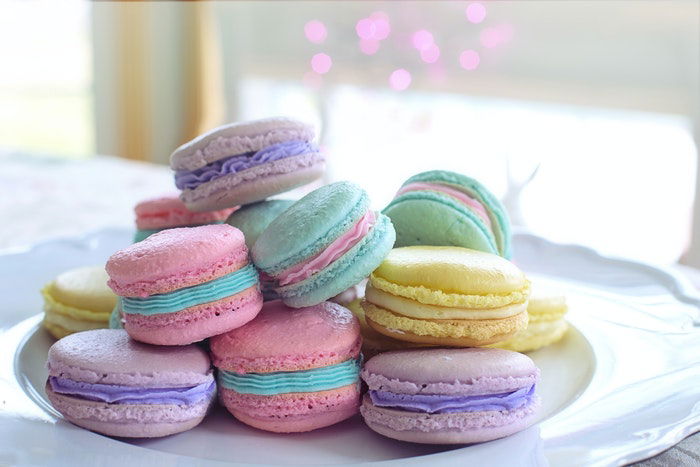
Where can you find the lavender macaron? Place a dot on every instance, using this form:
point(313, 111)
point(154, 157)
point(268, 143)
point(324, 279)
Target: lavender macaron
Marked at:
point(103, 381)
point(241, 163)
point(450, 396)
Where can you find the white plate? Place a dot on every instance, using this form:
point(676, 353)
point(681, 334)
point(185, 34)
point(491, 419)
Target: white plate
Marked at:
point(621, 386)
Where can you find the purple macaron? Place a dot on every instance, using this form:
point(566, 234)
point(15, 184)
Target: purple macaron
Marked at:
point(104, 381)
point(450, 396)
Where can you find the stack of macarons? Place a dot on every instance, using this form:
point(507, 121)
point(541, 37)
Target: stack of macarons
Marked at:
point(169, 212)
point(436, 260)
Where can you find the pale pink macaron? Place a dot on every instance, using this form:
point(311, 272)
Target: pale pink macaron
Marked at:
point(183, 285)
point(291, 369)
point(103, 381)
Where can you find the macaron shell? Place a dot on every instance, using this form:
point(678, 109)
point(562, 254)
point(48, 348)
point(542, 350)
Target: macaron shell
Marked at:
point(60, 325)
point(169, 211)
point(83, 288)
point(109, 356)
point(351, 268)
point(429, 218)
point(295, 412)
point(452, 270)
point(473, 371)
point(459, 333)
point(238, 138)
point(309, 226)
point(176, 258)
point(254, 218)
point(198, 322)
point(129, 420)
point(537, 335)
point(256, 183)
point(494, 208)
point(281, 338)
point(449, 428)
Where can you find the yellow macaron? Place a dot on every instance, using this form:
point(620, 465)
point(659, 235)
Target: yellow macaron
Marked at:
point(78, 300)
point(546, 310)
point(446, 296)
point(374, 343)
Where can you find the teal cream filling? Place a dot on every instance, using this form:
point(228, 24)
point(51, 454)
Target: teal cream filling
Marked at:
point(284, 382)
point(178, 300)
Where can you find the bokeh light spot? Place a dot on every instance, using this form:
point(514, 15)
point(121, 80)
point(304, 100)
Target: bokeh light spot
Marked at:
point(365, 28)
point(369, 46)
point(430, 54)
point(422, 39)
point(382, 28)
point(476, 12)
point(490, 37)
point(321, 63)
point(469, 59)
point(400, 79)
point(315, 31)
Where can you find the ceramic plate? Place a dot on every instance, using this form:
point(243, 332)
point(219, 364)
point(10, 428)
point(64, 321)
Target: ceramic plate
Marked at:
point(615, 389)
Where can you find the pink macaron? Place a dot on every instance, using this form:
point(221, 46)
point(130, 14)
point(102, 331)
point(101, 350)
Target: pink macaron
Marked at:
point(291, 369)
point(108, 383)
point(168, 212)
point(183, 285)
point(450, 396)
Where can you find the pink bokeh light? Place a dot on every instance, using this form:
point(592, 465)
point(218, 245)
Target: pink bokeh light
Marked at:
point(476, 12)
point(369, 46)
point(469, 59)
point(365, 28)
point(422, 39)
point(382, 28)
point(431, 54)
point(315, 31)
point(400, 79)
point(321, 63)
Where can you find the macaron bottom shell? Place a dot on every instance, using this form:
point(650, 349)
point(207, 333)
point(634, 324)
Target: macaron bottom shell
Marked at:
point(129, 420)
point(448, 428)
point(293, 412)
point(196, 323)
point(459, 333)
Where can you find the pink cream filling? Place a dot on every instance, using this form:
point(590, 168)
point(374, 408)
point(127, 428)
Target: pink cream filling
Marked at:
point(476, 206)
point(335, 250)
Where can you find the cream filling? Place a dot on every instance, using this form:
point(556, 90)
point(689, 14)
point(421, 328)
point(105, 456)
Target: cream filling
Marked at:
point(411, 308)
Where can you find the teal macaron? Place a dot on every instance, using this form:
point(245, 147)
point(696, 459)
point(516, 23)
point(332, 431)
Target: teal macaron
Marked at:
point(442, 208)
point(323, 244)
point(252, 219)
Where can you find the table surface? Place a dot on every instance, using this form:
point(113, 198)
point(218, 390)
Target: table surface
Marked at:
point(56, 198)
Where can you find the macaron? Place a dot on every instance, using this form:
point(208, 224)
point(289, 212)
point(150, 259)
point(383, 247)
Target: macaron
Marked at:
point(167, 212)
point(323, 244)
point(108, 383)
point(546, 310)
point(444, 295)
point(450, 396)
point(77, 300)
point(443, 208)
point(252, 219)
point(373, 342)
point(241, 163)
point(291, 369)
point(115, 318)
point(183, 285)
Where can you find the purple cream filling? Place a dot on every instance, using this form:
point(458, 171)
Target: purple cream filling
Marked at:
point(435, 403)
point(190, 179)
point(115, 394)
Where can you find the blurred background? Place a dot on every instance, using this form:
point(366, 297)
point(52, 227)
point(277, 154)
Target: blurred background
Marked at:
point(582, 115)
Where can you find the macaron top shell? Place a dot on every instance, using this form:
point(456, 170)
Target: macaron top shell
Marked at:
point(176, 258)
point(469, 371)
point(84, 288)
point(451, 269)
point(252, 219)
point(309, 226)
point(169, 211)
point(238, 138)
point(109, 356)
point(281, 338)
